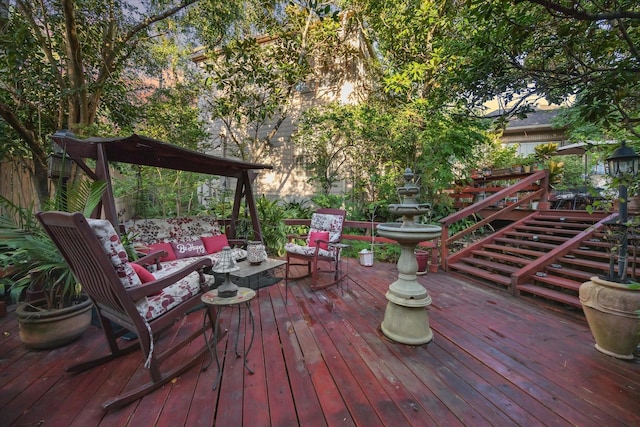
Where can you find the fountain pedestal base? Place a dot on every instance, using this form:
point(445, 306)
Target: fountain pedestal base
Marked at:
point(406, 325)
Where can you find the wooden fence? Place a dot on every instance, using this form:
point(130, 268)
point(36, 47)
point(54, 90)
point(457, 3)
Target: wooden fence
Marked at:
point(15, 182)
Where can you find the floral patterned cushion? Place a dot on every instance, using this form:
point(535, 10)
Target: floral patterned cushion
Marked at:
point(326, 222)
point(148, 231)
point(319, 223)
point(237, 253)
point(152, 306)
point(155, 305)
point(112, 246)
point(308, 250)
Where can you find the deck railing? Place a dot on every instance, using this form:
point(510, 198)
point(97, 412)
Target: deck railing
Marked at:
point(368, 230)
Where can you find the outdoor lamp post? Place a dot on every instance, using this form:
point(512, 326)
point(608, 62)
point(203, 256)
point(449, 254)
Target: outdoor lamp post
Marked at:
point(622, 164)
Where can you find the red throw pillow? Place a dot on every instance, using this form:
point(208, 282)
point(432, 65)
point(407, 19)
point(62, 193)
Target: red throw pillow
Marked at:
point(171, 256)
point(188, 249)
point(144, 275)
point(319, 235)
point(215, 244)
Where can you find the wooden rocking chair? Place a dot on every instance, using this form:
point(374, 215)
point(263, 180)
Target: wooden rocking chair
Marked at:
point(322, 244)
point(97, 258)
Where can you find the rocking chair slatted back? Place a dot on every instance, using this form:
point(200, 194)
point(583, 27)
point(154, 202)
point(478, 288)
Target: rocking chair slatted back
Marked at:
point(123, 304)
point(93, 270)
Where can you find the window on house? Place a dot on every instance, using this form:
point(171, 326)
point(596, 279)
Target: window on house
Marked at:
point(300, 161)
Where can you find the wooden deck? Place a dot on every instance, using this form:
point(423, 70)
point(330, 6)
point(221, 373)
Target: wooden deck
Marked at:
point(321, 360)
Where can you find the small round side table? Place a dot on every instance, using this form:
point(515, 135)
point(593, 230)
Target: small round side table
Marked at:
point(243, 297)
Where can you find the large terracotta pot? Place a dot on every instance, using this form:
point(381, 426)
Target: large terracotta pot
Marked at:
point(611, 311)
point(53, 328)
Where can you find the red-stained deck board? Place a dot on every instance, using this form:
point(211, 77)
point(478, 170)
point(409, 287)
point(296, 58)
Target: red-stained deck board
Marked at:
point(280, 400)
point(255, 399)
point(557, 366)
point(442, 388)
point(233, 370)
point(332, 404)
point(326, 333)
point(321, 359)
point(419, 403)
point(562, 404)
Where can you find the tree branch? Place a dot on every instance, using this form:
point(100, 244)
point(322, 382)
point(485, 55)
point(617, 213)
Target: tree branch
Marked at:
point(581, 14)
point(26, 134)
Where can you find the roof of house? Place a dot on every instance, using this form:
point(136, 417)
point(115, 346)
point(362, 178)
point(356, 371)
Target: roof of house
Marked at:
point(534, 119)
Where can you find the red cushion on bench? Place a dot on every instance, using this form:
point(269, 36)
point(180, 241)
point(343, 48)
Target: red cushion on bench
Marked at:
point(215, 244)
point(144, 275)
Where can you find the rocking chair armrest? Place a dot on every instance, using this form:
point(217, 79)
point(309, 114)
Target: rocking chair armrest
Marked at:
point(151, 258)
point(156, 286)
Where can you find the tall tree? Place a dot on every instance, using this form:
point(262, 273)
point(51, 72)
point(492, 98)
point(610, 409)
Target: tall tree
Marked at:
point(585, 54)
point(256, 75)
point(77, 64)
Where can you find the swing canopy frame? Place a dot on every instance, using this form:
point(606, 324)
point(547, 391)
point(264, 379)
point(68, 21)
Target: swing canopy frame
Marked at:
point(141, 150)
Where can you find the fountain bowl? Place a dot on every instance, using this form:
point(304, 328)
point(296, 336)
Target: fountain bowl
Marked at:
point(408, 232)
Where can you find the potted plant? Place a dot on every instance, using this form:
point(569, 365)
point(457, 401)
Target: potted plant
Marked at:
point(366, 255)
point(527, 163)
point(611, 303)
point(52, 310)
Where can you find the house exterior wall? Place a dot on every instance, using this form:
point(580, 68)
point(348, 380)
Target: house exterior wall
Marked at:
point(289, 179)
point(537, 128)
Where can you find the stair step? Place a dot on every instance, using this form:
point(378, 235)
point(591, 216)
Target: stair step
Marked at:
point(569, 218)
point(558, 224)
point(579, 275)
point(600, 267)
point(548, 230)
point(527, 243)
point(514, 250)
point(596, 265)
point(502, 257)
point(591, 253)
point(483, 274)
point(490, 265)
point(551, 294)
point(545, 237)
point(561, 282)
point(597, 244)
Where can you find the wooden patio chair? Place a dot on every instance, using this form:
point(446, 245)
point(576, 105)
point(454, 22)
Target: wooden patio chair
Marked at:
point(322, 244)
point(97, 258)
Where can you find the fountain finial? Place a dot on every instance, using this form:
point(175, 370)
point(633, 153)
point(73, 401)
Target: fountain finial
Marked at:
point(409, 190)
point(409, 206)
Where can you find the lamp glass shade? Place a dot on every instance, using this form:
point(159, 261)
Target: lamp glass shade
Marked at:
point(59, 166)
point(623, 162)
point(226, 263)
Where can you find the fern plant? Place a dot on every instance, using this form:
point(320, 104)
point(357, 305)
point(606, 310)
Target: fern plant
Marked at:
point(29, 253)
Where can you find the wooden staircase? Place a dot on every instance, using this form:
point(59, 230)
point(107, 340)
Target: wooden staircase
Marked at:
point(545, 254)
point(548, 255)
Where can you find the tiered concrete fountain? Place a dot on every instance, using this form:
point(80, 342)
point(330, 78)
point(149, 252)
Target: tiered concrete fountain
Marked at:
point(406, 319)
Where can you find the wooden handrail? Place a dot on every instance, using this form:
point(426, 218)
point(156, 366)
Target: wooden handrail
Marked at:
point(521, 276)
point(524, 184)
